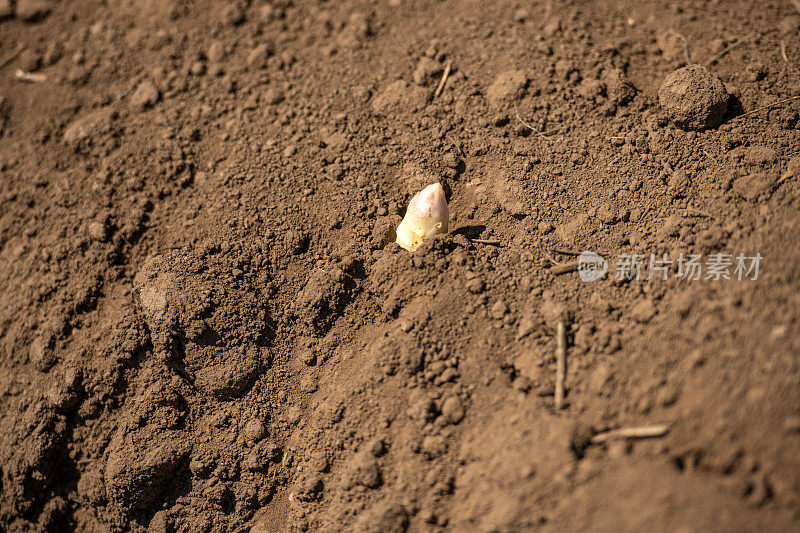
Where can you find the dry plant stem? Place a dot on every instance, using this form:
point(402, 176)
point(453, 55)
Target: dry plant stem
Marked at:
point(444, 79)
point(549, 257)
point(783, 52)
point(685, 46)
point(534, 130)
point(457, 147)
point(561, 363)
point(486, 241)
point(565, 251)
point(723, 52)
point(644, 432)
point(563, 268)
point(121, 95)
point(762, 108)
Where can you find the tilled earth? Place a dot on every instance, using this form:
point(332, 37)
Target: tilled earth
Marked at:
point(206, 324)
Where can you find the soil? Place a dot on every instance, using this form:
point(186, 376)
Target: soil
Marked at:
point(206, 324)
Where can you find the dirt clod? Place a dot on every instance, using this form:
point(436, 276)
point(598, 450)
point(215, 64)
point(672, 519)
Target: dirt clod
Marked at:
point(506, 88)
point(399, 97)
point(32, 10)
point(146, 95)
point(6, 9)
point(694, 98)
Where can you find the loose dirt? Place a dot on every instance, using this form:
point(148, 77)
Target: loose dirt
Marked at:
point(206, 324)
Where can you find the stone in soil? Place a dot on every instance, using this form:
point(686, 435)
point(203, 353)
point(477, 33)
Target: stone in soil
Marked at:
point(694, 98)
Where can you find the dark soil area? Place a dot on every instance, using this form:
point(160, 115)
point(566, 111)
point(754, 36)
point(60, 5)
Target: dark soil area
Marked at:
point(206, 324)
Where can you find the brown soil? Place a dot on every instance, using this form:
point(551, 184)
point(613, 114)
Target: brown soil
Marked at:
point(206, 326)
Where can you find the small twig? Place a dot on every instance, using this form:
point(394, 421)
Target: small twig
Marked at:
point(549, 257)
point(565, 251)
point(30, 76)
point(647, 209)
point(13, 56)
point(762, 108)
point(487, 241)
point(457, 147)
point(783, 51)
point(121, 95)
point(786, 175)
point(537, 132)
point(644, 432)
point(445, 74)
point(724, 51)
point(561, 363)
point(685, 46)
point(563, 268)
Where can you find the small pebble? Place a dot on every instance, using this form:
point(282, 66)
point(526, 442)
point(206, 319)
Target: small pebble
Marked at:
point(499, 310)
point(216, 52)
point(254, 430)
point(146, 95)
point(453, 409)
point(476, 285)
point(97, 231)
point(526, 327)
